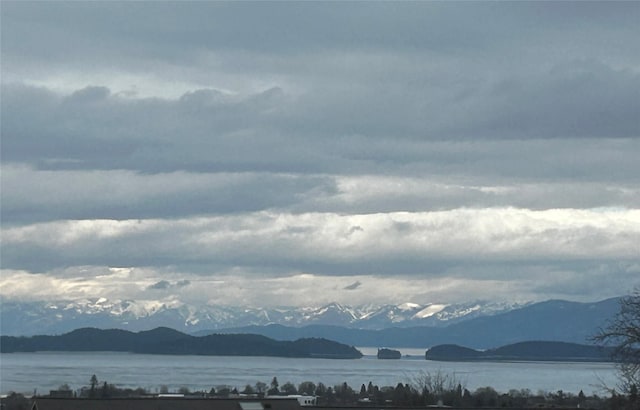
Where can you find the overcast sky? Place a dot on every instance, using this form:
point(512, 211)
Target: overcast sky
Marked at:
point(287, 153)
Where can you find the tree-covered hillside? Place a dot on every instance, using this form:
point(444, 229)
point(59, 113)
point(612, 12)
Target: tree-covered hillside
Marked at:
point(169, 341)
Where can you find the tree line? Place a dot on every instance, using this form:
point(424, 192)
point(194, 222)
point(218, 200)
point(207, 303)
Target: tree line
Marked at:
point(422, 390)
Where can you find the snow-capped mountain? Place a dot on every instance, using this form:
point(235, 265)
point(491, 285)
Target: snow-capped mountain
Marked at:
point(29, 318)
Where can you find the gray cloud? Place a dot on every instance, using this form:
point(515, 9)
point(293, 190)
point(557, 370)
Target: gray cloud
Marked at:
point(165, 285)
point(580, 282)
point(467, 147)
point(389, 243)
point(162, 285)
point(271, 130)
point(162, 30)
point(182, 283)
point(152, 135)
point(41, 195)
point(353, 286)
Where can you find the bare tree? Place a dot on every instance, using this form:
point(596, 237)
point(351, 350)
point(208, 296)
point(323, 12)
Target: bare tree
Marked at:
point(623, 333)
point(437, 386)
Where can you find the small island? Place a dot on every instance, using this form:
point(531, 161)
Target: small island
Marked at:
point(385, 353)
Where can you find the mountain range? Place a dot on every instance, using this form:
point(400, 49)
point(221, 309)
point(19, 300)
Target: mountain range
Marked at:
point(478, 325)
point(29, 318)
point(553, 320)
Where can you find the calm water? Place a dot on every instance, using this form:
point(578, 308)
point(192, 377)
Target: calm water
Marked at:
point(24, 372)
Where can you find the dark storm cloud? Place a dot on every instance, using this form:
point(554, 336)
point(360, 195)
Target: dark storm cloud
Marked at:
point(580, 99)
point(207, 131)
point(546, 79)
point(197, 132)
point(42, 195)
point(209, 152)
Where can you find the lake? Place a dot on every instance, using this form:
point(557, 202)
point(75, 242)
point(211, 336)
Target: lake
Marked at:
point(43, 371)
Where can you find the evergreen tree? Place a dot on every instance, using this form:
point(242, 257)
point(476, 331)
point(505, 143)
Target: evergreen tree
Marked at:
point(379, 397)
point(399, 395)
point(321, 390)
point(581, 397)
point(93, 383)
point(273, 391)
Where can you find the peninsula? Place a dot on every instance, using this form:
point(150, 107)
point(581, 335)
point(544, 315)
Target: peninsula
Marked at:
point(523, 351)
point(164, 340)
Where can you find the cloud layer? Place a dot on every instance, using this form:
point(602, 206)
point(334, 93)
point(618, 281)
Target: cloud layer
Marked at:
point(434, 151)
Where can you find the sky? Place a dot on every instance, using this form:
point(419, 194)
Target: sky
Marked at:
point(301, 153)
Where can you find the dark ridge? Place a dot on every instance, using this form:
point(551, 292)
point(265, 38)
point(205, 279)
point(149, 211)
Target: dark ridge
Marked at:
point(324, 348)
point(524, 351)
point(451, 352)
point(169, 341)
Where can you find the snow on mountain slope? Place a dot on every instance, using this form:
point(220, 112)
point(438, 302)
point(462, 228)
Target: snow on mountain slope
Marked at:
point(429, 311)
point(29, 318)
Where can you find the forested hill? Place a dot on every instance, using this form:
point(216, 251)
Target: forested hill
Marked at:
point(524, 351)
point(168, 341)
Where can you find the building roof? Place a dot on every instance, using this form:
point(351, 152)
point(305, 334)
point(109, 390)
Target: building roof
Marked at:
point(163, 403)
